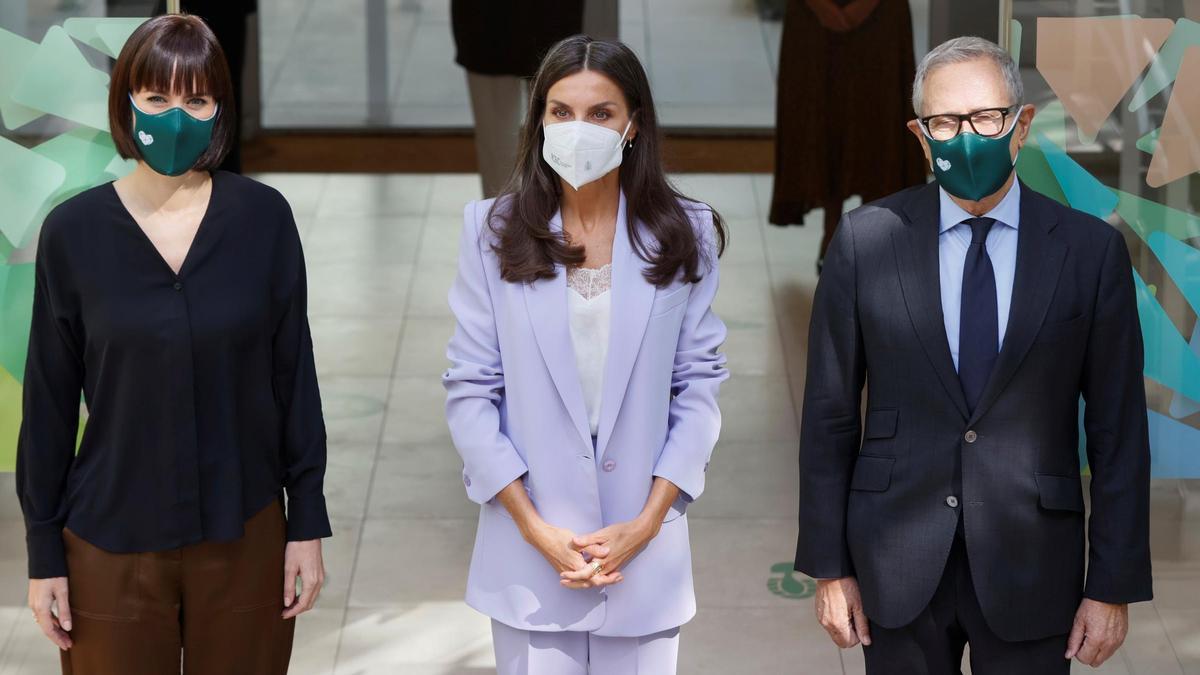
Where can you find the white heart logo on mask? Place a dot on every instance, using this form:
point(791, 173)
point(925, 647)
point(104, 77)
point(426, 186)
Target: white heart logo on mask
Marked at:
point(146, 138)
point(943, 164)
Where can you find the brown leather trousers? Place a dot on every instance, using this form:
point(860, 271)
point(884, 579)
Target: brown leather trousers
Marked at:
point(212, 608)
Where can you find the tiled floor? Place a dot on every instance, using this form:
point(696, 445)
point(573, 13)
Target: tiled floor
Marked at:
point(381, 256)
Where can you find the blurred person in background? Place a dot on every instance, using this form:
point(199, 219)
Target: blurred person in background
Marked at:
point(500, 44)
point(227, 20)
point(845, 68)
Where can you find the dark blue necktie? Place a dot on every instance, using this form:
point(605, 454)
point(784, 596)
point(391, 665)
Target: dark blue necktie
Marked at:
point(978, 327)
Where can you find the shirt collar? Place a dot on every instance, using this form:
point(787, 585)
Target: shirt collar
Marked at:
point(1007, 212)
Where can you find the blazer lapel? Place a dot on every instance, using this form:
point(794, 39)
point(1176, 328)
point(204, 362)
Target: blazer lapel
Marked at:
point(1039, 262)
point(632, 297)
point(546, 303)
point(920, 281)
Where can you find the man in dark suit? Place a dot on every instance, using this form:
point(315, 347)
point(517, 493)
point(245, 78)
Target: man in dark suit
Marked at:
point(980, 312)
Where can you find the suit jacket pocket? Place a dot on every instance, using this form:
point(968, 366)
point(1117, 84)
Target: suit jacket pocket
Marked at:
point(881, 422)
point(1061, 330)
point(872, 474)
point(1059, 493)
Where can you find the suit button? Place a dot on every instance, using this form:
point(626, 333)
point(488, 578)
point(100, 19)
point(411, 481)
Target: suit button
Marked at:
point(178, 286)
point(609, 465)
point(971, 436)
point(952, 501)
point(467, 480)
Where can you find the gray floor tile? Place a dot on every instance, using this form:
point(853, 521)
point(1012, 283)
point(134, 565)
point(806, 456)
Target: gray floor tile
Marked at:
point(416, 411)
point(420, 481)
point(315, 646)
point(423, 347)
point(353, 290)
point(750, 480)
point(735, 562)
point(770, 640)
point(428, 638)
point(384, 195)
point(413, 560)
point(355, 347)
point(354, 408)
point(369, 241)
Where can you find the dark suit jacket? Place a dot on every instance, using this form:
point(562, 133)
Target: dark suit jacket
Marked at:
point(874, 505)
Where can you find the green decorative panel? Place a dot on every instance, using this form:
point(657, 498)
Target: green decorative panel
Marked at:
point(51, 80)
point(1087, 62)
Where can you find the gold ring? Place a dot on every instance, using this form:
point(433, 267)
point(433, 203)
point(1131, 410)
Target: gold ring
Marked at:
point(596, 567)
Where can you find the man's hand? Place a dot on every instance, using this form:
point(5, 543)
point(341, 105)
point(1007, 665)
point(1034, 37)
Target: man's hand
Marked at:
point(1099, 630)
point(839, 609)
point(51, 609)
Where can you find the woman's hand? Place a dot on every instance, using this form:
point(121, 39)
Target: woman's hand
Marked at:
point(615, 545)
point(302, 559)
point(46, 597)
point(623, 541)
point(830, 15)
point(557, 545)
point(554, 543)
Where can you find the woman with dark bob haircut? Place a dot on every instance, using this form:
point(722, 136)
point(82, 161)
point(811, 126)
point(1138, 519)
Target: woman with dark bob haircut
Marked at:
point(174, 299)
point(585, 366)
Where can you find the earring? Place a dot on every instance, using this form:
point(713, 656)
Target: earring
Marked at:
point(631, 143)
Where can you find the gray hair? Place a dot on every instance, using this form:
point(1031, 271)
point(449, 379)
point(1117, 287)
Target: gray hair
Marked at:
point(960, 50)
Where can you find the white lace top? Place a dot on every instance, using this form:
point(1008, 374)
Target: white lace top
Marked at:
point(589, 307)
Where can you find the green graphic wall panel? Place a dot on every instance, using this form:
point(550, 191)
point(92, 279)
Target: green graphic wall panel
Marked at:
point(1172, 359)
point(47, 80)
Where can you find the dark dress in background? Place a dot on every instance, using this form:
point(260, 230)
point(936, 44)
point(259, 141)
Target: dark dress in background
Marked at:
point(499, 37)
point(843, 102)
point(227, 19)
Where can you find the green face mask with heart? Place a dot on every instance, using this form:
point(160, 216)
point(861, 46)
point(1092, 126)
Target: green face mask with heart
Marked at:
point(970, 166)
point(172, 140)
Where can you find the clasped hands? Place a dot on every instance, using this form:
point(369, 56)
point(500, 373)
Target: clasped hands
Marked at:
point(842, 19)
point(592, 560)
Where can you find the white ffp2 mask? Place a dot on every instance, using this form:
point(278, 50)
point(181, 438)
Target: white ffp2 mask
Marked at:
point(581, 152)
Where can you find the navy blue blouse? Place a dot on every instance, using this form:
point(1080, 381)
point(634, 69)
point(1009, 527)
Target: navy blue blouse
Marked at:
point(201, 391)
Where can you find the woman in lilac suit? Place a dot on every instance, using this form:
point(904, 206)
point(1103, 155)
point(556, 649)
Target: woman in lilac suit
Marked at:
point(582, 394)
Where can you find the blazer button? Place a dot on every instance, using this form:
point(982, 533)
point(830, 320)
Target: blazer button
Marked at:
point(971, 436)
point(952, 501)
point(609, 465)
point(467, 480)
point(178, 286)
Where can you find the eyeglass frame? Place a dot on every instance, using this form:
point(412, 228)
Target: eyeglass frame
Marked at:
point(966, 117)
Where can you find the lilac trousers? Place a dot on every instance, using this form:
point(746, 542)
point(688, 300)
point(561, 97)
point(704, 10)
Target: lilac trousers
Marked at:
point(523, 652)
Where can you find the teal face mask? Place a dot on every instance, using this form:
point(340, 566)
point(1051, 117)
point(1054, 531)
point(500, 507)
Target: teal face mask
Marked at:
point(172, 140)
point(970, 166)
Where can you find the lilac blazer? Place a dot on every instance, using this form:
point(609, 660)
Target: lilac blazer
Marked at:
point(515, 408)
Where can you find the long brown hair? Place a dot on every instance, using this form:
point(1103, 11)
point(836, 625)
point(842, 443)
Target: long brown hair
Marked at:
point(520, 218)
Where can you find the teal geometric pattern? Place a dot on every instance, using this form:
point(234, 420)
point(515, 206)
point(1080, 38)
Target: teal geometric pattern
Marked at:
point(1166, 63)
point(47, 80)
point(1171, 359)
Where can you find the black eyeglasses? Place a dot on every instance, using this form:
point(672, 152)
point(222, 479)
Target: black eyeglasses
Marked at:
point(986, 122)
